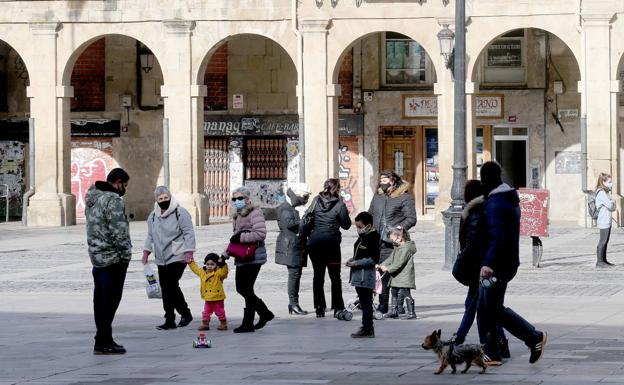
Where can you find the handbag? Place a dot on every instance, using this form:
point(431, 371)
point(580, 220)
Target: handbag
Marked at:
point(242, 251)
point(307, 222)
point(465, 271)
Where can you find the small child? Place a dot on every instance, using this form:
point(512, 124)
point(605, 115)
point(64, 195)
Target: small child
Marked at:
point(362, 277)
point(215, 270)
point(400, 266)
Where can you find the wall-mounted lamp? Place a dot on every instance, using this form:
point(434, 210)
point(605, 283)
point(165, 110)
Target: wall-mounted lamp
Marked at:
point(147, 61)
point(447, 40)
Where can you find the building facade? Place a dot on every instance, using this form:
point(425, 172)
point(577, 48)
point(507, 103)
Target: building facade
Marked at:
point(251, 90)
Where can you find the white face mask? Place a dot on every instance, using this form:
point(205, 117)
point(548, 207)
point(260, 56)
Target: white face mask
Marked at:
point(609, 184)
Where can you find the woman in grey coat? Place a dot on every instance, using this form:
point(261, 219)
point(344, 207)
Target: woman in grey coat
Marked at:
point(171, 237)
point(289, 249)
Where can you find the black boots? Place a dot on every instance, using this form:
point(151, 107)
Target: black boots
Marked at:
point(411, 313)
point(185, 320)
point(296, 309)
point(169, 324)
point(247, 325)
point(393, 312)
point(264, 313)
point(320, 311)
point(364, 333)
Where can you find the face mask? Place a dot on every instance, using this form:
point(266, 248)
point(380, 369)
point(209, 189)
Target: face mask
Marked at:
point(609, 185)
point(363, 230)
point(385, 187)
point(164, 204)
point(240, 205)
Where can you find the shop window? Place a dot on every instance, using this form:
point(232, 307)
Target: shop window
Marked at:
point(432, 172)
point(504, 59)
point(405, 62)
point(265, 158)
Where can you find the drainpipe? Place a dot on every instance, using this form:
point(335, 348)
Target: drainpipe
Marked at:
point(300, 112)
point(584, 161)
point(31, 170)
point(166, 151)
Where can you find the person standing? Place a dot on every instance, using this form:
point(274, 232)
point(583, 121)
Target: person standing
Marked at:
point(393, 205)
point(170, 235)
point(289, 250)
point(500, 265)
point(249, 228)
point(110, 250)
point(330, 214)
point(605, 206)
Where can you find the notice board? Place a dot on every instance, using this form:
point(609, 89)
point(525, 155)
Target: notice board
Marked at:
point(534, 212)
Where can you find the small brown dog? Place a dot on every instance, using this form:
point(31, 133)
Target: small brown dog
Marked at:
point(450, 354)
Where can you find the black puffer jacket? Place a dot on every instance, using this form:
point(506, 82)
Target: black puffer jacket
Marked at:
point(289, 248)
point(394, 209)
point(330, 214)
point(471, 237)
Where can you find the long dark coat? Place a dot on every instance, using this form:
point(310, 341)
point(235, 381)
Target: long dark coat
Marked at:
point(289, 249)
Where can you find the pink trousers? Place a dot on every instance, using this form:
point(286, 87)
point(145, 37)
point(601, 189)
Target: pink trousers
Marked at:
point(216, 307)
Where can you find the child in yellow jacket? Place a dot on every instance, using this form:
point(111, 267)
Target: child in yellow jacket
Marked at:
point(215, 270)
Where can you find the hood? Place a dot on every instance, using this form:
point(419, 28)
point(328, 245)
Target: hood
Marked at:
point(325, 204)
point(172, 207)
point(105, 186)
point(473, 204)
point(410, 246)
point(403, 188)
point(505, 192)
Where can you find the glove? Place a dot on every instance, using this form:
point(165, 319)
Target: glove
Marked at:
point(221, 262)
point(235, 238)
point(146, 254)
point(188, 256)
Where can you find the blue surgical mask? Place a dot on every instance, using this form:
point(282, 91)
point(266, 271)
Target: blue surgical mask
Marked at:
point(240, 205)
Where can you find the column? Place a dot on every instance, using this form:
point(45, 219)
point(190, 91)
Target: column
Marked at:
point(320, 106)
point(471, 129)
point(53, 204)
point(184, 109)
point(444, 91)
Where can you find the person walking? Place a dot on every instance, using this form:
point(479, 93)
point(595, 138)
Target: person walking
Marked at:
point(249, 229)
point(393, 205)
point(468, 264)
point(171, 237)
point(289, 249)
point(110, 250)
point(500, 265)
point(605, 206)
point(330, 215)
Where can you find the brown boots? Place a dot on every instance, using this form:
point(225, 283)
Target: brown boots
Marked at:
point(205, 325)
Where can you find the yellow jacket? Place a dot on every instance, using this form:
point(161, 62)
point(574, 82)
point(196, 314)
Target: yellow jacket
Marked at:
point(211, 283)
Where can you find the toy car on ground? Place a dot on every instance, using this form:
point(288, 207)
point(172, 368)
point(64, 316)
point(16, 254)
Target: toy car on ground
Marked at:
point(202, 341)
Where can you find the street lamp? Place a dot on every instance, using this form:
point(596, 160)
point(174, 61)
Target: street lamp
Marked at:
point(147, 61)
point(447, 40)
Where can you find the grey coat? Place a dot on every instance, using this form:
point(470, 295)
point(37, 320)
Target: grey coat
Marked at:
point(401, 266)
point(169, 234)
point(289, 248)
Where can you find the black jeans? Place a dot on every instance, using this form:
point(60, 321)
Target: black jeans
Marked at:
point(403, 292)
point(173, 299)
point(246, 276)
point(472, 300)
point(320, 262)
point(365, 295)
point(294, 282)
point(384, 252)
point(491, 305)
point(108, 287)
point(601, 250)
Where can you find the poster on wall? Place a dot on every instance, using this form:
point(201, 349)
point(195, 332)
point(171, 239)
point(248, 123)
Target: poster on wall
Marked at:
point(348, 156)
point(12, 176)
point(489, 105)
point(567, 162)
point(420, 106)
point(505, 53)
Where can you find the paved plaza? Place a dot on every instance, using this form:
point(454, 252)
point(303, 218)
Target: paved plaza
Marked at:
point(46, 333)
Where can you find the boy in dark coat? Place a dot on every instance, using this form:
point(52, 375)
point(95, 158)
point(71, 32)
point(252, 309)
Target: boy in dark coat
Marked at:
point(362, 277)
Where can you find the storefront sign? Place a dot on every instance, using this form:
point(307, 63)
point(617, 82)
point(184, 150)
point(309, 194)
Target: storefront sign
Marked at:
point(567, 162)
point(505, 53)
point(489, 105)
point(569, 114)
point(95, 128)
point(420, 106)
point(282, 125)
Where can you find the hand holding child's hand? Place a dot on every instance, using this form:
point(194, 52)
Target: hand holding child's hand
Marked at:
point(146, 254)
point(188, 256)
point(382, 268)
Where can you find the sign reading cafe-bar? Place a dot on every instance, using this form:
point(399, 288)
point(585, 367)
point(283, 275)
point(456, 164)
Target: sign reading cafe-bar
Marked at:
point(276, 125)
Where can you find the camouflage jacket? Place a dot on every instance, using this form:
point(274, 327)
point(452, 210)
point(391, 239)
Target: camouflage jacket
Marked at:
point(108, 233)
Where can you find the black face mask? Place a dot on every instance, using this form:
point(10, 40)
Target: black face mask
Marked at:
point(385, 187)
point(164, 204)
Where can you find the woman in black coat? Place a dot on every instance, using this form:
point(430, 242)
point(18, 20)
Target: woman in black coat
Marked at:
point(330, 214)
point(289, 249)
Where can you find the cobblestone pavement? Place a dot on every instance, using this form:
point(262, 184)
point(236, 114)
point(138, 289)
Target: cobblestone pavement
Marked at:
point(47, 326)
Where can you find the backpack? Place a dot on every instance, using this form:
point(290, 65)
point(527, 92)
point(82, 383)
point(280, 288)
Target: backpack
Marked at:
point(592, 209)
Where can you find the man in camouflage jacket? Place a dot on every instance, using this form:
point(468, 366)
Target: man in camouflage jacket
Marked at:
point(110, 249)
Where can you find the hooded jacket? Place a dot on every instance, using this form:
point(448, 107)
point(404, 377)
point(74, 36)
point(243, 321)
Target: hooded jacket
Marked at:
point(395, 209)
point(250, 223)
point(502, 232)
point(365, 257)
point(169, 234)
point(330, 215)
point(400, 266)
point(108, 231)
point(211, 282)
point(470, 256)
point(289, 249)
point(606, 205)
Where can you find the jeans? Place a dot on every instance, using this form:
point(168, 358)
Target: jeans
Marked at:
point(400, 294)
point(294, 281)
point(365, 296)
point(491, 305)
point(472, 300)
point(320, 262)
point(384, 252)
point(601, 250)
point(246, 276)
point(172, 296)
point(216, 307)
point(108, 287)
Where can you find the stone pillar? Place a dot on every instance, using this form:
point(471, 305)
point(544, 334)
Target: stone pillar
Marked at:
point(320, 106)
point(471, 129)
point(53, 204)
point(184, 109)
point(444, 91)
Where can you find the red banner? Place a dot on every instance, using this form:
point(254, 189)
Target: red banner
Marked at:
point(534, 212)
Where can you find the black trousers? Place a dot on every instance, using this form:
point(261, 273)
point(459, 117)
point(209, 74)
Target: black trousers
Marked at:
point(384, 252)
point(365, 295)
point(294, 282)
point(108, 287)
point(173, 299)
point(321, 261)
point(601, 250)
point(400, 294)
point(246, 276)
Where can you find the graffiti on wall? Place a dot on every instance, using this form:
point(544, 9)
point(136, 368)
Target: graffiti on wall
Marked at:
point(91, 160)
point(347, 157)
point(267, 193)
point(12, 174)
point(292, 154)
